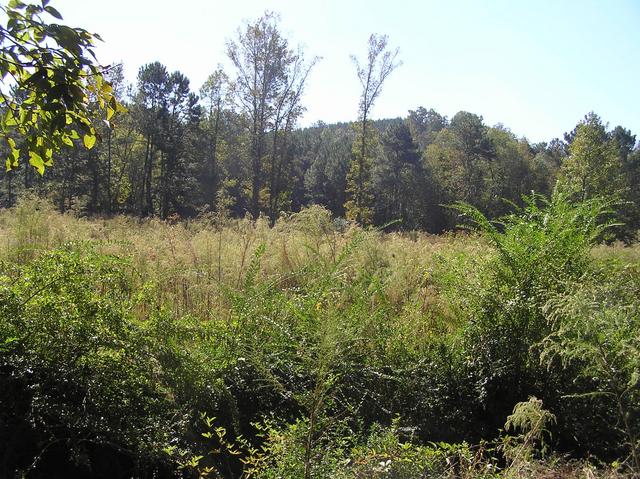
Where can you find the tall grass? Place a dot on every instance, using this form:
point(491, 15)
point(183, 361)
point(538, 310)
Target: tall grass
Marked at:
point(194, 264)
point(330, 348)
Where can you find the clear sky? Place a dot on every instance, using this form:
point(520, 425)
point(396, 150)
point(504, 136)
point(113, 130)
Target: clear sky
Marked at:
point(536, 66)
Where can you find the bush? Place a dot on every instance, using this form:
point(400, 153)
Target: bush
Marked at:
point(84, 386)
point(596, 333)
point(542, 249)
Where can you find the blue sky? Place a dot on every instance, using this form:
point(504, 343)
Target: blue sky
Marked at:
point(537, 67)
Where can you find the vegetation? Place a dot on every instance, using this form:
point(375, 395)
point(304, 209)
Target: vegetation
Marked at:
point(211, 292)
point(380, 63)
point(315, 348)
point(48, 73)
point(236, 148)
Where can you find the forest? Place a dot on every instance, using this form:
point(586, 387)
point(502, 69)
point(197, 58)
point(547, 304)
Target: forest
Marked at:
point(176, 151)
point(193, 285)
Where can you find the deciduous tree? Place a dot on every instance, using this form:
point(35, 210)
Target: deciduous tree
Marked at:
point(380, 63)
point(268, 85)
point(44, 91)
point(593, 167)
point(214, 95)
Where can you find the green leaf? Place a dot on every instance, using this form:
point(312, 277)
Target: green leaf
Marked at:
point(49, 157)
point(36, 161)
point(106, 88)
point(15, 151)
point(10, 120)
point(53, 12)
point(89, 141)
point(67, 141)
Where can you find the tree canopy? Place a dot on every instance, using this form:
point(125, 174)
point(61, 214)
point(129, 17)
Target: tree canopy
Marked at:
point(238, 148)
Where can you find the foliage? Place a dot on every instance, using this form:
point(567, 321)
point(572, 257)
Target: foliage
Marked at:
point(593, 167)
point(380, 63)
point(48, 73)
point(172, 154)
point(303, 344)
point(372, 74)
point(596, 330)
point(82, 379)
point(268, 86)
point(541, 250)
point(168, 112)
point(398, 179)
point(532, 420)
point(305, 341)
point(359, 190)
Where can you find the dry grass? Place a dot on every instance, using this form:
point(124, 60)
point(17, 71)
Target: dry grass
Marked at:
point(193, 261)
point(426, 279)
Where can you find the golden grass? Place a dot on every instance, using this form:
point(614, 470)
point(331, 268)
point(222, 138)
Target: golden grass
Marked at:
point(425, 278)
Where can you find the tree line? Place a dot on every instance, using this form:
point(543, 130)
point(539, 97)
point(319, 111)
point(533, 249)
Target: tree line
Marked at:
point(233, 147)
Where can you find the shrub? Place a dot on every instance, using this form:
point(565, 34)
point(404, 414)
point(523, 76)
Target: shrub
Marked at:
point(83, 384)
point(542, 249)
point(596, 333)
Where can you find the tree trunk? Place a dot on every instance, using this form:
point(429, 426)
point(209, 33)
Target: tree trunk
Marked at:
point(146, 198)
point(213, 168)
point(109, 199)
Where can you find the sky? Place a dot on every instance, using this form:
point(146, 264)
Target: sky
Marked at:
point(536, 66)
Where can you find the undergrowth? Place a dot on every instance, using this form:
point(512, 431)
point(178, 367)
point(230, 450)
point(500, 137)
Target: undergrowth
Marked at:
point(321, 350)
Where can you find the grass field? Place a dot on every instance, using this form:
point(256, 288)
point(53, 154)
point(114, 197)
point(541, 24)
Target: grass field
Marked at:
point(228, 348)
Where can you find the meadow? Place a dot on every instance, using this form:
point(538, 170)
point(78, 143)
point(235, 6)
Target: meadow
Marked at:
point(314, 348)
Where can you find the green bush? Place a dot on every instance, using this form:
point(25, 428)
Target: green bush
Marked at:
point(596, 332)
point(82, 380)
point(542, 250)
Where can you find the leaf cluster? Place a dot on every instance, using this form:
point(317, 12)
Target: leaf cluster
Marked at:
point(48, 72)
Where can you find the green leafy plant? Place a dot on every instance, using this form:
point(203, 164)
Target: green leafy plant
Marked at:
point(596, 331)
point(541, 249)
point(81, 378)
point(48, 72)
point(533, 421)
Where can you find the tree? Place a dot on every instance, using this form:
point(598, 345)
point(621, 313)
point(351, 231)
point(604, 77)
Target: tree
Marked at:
point(510, 173)
point(593, 167)
point(149, 106)
point(288, 109)
point(268, 86)
point(624, 142)
point(359, 190)
point(117, 81)
point(181, 120)
point(327, 151)
point(425, 125)
point(379, 65)
point(458, 159)
point(546, 164)
point(44, 95)
point(398, 178)
point(214, 94)
point(167, 112)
